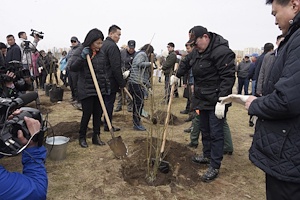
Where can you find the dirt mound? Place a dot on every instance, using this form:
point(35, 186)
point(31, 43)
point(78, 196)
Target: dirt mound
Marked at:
point(67, 129)
point(160, 116)
point(182, 170)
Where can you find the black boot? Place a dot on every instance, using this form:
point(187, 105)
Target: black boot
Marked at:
point(96, 140)
point(82, 142)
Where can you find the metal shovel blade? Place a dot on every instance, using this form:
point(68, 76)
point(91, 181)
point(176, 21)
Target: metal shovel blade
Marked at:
point(119, 148)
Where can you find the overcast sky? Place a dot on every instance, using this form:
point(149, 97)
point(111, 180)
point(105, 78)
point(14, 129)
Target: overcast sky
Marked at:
point(244, 23)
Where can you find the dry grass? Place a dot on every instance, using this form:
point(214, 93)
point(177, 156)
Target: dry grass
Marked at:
point(94, 173)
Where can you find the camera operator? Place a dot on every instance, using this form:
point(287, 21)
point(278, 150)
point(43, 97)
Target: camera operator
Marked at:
point(11, 86)
point(33, 183)
point(26, 48)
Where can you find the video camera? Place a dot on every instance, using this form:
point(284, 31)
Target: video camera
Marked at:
point(9, 142)
point(39, 34)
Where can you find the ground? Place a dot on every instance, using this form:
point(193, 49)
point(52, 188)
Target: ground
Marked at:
point(95, 173)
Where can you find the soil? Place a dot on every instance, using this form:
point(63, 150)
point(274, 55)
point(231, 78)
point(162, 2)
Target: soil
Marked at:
point(95, 173)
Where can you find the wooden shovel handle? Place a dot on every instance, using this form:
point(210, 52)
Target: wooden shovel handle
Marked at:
point(128, 93)
point(100, 95)
point(168, 115)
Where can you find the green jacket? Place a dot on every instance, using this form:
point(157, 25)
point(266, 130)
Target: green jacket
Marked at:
point(168, 66)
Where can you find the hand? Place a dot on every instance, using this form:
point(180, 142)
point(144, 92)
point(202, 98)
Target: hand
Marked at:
point(249, 101)
point(126, 74)
point(85, 52)
point(64, 72)
point(220, 110)
point(33, 126)
point(234, 98)
point(40, 69)
point(173, 79)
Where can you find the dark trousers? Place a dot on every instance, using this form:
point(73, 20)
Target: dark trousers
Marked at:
point(90, 105)
point(243, 82)
point(212, 137)
point(277, 189)
point(109, 101)
point(42, 78)
point(73, 79)
point(167, 87)
point(138, 102)
point(63, 77)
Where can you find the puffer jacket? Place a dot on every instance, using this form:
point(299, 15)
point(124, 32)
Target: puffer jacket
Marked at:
point(213, 71)
point(85, 84)
point(139, 73)
point(110, 58)
point(276, 143)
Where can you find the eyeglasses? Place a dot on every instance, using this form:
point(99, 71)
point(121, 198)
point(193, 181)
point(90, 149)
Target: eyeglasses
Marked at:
point(73, 41)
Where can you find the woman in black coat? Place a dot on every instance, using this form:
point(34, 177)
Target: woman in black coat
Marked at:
point(86, 90)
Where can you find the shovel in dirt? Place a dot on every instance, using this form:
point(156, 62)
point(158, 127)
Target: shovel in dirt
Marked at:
point(116, 144)
point(164, 166)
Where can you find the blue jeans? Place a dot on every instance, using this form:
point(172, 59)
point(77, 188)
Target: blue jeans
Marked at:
point(243, 82)
point(212, 137)
point(253, 87)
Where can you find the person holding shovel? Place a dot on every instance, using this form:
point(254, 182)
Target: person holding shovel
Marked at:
point(139, 75)
point(86, 90)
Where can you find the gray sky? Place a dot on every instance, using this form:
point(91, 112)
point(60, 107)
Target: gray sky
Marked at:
point(244, 23)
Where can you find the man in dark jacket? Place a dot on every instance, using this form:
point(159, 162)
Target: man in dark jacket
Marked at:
point(127, 56)
point(111, 58)
point(13, 52)
point(242, 74)
point(213, 67)
point(276, 143)
point(168, 68)
point(268, 47)
point(73, 76)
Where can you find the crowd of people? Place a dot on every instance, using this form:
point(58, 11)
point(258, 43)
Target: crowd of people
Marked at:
point(209, 71)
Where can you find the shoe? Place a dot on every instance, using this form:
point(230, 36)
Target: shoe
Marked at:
point(77, 105)
point(188, 130)
point(190, 118)
point(97, 141)
point(82, 143)
point(210, 174)
point(139, 128)
point(191, 145)
point(200, 159)
point(227, 153)
point(118, 109)
point(115, 129)
point(184, 112)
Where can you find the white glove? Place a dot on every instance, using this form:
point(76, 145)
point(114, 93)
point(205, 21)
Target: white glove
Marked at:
point(234, 98)
point(40, 69)
point(64, 72)
point(126, 74)
point(173, 79)
point(220, 110)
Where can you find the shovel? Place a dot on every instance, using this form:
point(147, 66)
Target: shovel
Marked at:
point(164, 166)
point(116, 144)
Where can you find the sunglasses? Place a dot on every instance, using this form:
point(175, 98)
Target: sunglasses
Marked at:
point(73, 41)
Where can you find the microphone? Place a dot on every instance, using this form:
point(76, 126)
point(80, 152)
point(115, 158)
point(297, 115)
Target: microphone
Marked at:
point(19, 101)
point(25, 99)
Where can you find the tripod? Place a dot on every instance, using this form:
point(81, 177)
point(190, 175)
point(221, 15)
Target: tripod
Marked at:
point(28, 72)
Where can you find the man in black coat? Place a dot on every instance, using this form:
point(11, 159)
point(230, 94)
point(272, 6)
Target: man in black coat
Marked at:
point(111, 59)
point(212, 63)
point(13, 52)
point(276, 142)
